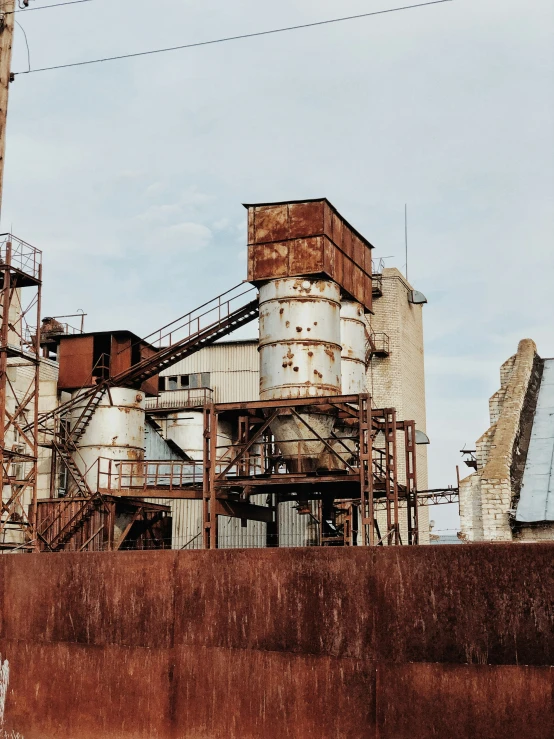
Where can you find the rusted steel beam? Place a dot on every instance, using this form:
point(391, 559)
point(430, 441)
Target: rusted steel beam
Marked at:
point(331, 400)
point(247, 511)
point(159, 492)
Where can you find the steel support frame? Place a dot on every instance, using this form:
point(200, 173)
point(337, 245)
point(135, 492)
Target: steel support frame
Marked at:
point(411, 482)
point(20, 307)
point(253, 427)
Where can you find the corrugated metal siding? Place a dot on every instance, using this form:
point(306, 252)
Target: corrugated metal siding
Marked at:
point(297, 530)
point(187, 524)
point(231, 535)
point(233, 368)
point(186, 515)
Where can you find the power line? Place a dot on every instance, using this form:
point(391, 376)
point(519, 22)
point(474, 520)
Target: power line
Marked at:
point(46, 7)
point(231, 38)
point(26, 44)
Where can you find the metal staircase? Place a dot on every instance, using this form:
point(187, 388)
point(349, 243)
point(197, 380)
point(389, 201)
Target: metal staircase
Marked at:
point(183, 337)
point(84, 419)
point(58, 540)
point(80, 484)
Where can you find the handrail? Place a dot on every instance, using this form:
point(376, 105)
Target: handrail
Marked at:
point(188, 318)
point(202, 335)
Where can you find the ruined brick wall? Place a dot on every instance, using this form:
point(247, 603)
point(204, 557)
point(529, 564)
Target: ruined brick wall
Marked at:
point(399, 380)
point(487, 496)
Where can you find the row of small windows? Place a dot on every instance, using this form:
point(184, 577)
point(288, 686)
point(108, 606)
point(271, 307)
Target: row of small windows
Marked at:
point(184, 382)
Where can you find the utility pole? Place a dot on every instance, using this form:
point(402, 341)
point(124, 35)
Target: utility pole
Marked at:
point(6, 42)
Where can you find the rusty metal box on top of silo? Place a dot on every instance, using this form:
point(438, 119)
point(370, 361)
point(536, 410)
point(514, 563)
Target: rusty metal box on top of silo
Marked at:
point(308, 237)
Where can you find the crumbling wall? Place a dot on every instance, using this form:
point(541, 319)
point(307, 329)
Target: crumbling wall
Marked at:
point(486, 496)
point(346, 643)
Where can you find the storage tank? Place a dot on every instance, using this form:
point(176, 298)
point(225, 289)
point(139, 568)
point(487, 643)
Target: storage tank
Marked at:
point(300, 356)
point(186, 429)
point(115, 431)
point(354, 339)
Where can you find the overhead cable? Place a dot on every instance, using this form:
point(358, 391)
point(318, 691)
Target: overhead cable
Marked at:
point(232, 38)
point(47, 7)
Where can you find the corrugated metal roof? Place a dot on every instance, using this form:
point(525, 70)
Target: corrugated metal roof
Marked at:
point(536, 502)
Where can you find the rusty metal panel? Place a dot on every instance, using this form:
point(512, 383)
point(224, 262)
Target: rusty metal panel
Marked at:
point(306, 256)
point(144, 644)
point(269, 260)
point(58, 691)
point(95, 598)
point(239, 694)
point(289, 598)
point(336, 261)
point(358, 284)
point(120, 353)
point(271, 223)
point(347, 277)
point(460, 701)
point(149, 386)
point(281, 243)
point(337, 225)
point(480, 603)
point(306, 219)
point(348, 239)
point(76, 361)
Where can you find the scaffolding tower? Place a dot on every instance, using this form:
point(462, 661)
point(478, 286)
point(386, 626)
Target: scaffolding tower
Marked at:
point(20, 304)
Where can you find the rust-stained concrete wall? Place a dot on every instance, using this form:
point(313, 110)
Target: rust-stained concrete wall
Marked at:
point(280, 644)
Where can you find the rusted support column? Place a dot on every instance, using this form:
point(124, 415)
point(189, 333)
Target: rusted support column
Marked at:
point(212, 485)
point(367, 516)
point(411, 482)
point(208, 416)
point(391, 477)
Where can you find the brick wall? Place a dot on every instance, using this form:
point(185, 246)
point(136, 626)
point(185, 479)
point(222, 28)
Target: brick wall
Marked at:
point(399, 380)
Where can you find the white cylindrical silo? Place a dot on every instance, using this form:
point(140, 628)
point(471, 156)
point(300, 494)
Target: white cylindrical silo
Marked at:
point(186, 429)
point(115, 432)
point(353, 336)
point(300, 357)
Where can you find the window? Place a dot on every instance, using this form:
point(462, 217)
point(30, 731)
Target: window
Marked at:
point(192, 381)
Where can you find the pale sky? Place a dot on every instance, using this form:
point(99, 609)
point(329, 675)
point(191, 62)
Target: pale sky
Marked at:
point(130, 175)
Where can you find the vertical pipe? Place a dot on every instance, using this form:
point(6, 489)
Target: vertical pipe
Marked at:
point(4, 329)
point(34, 502)
point(207, 412)
point(212, 471)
